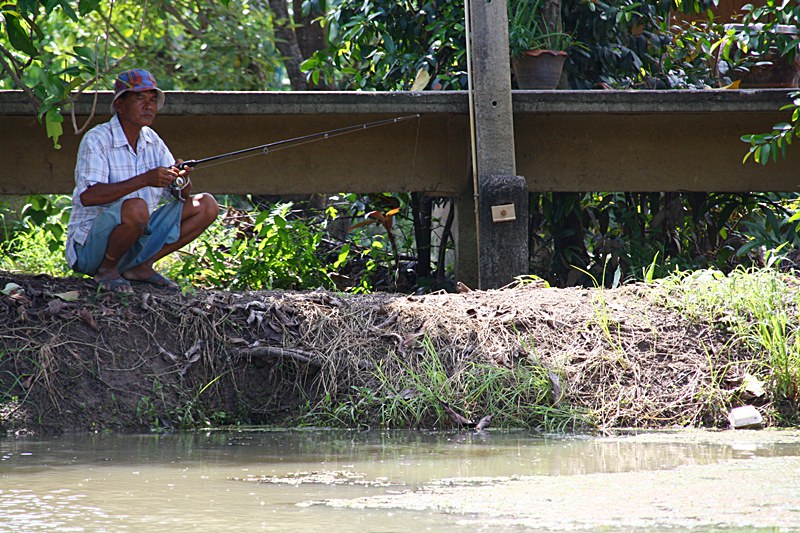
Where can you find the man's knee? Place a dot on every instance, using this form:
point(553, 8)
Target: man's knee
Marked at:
point(135, 212)
point(207, 205)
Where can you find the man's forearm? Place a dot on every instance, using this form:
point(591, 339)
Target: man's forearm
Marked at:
point(106, 193)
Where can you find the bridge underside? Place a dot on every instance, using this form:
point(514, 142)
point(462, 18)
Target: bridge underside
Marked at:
point(565, 141)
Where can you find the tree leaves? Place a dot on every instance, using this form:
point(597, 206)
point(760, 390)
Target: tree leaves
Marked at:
point(53, 121)
point(18, 37)
point(87, 6)
point(769, 146)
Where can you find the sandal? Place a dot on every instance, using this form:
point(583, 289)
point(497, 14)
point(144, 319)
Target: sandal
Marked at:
point(160, 281)
point(114, 285)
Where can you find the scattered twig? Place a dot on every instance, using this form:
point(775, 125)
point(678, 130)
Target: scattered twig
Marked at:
point(280, 353)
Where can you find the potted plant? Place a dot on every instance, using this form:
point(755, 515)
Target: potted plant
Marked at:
point(762, 49)
point(536, 43)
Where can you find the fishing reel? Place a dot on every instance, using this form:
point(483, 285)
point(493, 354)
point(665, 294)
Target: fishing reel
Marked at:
point(179, 183)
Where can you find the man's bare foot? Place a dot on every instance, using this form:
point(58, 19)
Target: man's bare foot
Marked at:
point(109, 279)
point(114, 285)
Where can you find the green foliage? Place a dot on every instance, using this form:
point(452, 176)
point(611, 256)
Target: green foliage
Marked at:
point(409, 394)
point(769, 146)
point(53, 50)
point(188, 412)
point(773, 226)
point(627, 42)
point(383, 45)
point(223, 46)
point(684, 230)
point(689, 62)
point(384, 219)
point(35, 242)
point(759, 307)
point(278, 253)
point(10, 380)
point(30, 61)
point(269, 249)
point(528, 30)
point(761, 37)
point(758, 41)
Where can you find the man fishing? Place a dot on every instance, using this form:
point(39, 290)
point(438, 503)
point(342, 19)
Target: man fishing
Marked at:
point(117, 229)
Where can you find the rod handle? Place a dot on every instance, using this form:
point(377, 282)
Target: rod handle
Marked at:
point(190, 164)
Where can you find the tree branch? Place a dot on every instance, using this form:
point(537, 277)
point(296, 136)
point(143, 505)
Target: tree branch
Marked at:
point(286, 42)
point(5, 57)
point(196, 32)
point(275, 352)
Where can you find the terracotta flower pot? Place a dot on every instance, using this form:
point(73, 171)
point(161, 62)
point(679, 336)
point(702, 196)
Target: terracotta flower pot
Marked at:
point(538, 69)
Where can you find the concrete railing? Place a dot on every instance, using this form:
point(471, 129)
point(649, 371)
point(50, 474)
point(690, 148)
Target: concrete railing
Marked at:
point(565, 141)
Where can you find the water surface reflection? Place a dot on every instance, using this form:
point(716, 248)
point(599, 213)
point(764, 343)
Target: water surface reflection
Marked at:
point(210, 480)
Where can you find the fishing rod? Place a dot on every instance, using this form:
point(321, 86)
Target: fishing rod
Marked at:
point(182, 181)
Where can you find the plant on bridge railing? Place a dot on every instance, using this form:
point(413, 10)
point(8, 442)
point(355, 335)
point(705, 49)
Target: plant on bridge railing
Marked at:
point(768, 146)
point(762, 49)
point(630, 43)
point(385, 45)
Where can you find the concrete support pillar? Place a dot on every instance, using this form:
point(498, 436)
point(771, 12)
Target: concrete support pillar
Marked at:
point(465, 236)
point(503, 212)
point(501, 216)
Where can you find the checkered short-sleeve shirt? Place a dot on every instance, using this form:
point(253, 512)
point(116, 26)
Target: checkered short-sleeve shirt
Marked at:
point(104, 156)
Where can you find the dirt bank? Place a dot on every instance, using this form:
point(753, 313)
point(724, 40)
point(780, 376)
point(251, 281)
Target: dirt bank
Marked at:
point(75, 360)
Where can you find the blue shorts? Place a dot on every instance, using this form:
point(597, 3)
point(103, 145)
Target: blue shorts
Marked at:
point(163, 228)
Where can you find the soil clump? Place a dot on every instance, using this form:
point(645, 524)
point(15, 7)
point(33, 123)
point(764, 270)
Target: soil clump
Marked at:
point(73, 359)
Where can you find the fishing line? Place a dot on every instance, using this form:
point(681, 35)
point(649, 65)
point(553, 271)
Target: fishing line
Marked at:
point(266, 149)
point(414, 157)
point(296, 141)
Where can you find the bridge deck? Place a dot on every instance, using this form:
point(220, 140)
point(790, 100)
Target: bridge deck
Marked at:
point(565, 141)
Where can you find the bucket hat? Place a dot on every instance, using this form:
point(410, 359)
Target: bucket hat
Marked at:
point(136, 80)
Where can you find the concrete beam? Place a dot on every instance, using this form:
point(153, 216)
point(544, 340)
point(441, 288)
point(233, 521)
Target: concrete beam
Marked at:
point(428, 155)
point(564, 141)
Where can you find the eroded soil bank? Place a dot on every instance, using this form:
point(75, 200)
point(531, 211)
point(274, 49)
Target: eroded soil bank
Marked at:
point(72, 359)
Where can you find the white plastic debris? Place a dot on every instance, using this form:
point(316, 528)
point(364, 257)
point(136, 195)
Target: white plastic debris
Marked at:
point(746, 416)
point(11, 288)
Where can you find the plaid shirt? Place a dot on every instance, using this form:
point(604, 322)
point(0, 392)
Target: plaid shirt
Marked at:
point(104, 156)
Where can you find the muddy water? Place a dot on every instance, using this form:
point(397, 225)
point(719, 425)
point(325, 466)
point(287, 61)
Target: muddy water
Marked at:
point(409, 481)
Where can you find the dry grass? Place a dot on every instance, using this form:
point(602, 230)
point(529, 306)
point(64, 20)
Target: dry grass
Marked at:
point(621, 358)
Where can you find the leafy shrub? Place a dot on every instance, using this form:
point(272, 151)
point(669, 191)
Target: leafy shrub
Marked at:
point(35, 242)
point(259, 251)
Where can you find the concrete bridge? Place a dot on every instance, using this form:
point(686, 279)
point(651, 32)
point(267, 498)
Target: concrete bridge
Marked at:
point(563, 140)
point(486, 148)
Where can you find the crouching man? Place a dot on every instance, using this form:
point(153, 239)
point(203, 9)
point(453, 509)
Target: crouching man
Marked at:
point(117, 229)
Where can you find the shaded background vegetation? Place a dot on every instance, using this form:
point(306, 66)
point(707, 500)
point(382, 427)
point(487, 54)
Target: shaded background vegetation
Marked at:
point(52, 49)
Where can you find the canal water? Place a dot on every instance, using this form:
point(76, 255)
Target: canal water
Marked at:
point(332, 481)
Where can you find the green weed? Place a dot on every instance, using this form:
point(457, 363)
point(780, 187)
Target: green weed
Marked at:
point(409, 393)
point(35, 242)
point(758, 308)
